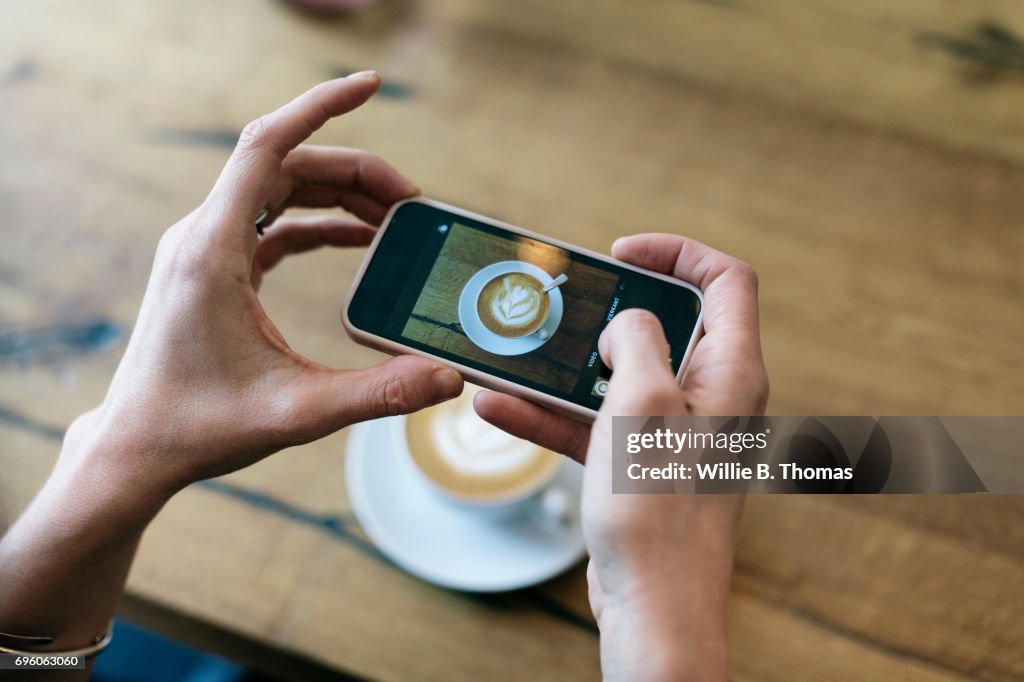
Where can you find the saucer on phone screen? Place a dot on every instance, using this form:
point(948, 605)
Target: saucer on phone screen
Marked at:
point(483, 337)
point(445, 545)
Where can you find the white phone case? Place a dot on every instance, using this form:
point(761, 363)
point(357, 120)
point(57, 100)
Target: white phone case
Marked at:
point(482, 378)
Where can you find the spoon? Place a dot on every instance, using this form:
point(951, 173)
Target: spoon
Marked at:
point(556, 282)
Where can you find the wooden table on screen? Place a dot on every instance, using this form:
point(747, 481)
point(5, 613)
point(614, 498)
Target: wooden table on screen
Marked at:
point(586, 295)
point(868, 160)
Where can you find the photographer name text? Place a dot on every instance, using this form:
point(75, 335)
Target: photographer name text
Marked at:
point(731, 471)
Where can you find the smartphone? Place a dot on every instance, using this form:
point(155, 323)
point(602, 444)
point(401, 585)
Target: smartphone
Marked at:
point(509, 309)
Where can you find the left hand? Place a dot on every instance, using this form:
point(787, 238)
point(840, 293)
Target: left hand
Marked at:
point(208, 384)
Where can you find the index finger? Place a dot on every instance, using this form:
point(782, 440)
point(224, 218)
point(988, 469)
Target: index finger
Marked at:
point(525, 420)
point(249, 176)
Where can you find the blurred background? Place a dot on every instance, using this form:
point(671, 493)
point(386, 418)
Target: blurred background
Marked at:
point(867, 158)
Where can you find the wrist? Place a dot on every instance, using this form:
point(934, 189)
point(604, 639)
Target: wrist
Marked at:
point(91, 512)
point(664, 594)
point(663, 638)
point(104, 471)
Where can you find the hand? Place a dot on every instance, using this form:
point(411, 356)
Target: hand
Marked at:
point(659, 564)
point(208, 384)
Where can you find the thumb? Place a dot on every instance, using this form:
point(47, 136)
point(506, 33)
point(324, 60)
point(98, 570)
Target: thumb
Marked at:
point(333, 399)
point(634, 346)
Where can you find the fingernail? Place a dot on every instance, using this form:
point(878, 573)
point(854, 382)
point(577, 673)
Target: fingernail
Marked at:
point(616, 242)
point(445, 383)
point(367, 75)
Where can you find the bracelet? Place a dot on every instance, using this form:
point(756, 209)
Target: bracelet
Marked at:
point(101, 642)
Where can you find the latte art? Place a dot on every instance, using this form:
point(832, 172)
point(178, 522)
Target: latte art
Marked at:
point(471, 459)
point(513, 305)
point(472, 446)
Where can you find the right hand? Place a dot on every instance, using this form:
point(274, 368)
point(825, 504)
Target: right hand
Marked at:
point(659, 564)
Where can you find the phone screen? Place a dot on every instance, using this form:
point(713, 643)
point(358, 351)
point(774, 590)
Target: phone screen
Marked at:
point(473, 292)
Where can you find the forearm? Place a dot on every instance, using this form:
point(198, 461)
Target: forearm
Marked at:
point(64, 562)
point(667, 619)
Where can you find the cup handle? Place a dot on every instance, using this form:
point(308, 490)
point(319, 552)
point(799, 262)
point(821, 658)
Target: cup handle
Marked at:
point(555, 509)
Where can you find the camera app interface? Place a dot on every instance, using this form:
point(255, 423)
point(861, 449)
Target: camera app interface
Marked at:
point(517, 307)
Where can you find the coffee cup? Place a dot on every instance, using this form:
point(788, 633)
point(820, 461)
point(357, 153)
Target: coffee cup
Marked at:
point(513, 305)
point(475, 466)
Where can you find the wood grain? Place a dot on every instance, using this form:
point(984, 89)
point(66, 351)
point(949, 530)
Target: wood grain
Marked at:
point(867, 158)
point(586, 295)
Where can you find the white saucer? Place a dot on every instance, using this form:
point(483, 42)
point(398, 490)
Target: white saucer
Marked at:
point(439, 543)
point(484, 337)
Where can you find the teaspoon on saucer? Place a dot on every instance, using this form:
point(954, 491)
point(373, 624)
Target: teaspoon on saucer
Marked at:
point(556, 282)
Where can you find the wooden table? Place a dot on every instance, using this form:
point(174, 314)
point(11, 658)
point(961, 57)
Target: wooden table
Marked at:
point(867, 158)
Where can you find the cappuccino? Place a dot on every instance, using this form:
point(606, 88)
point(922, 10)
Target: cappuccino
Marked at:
point(513, 305)
point(469, 458)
